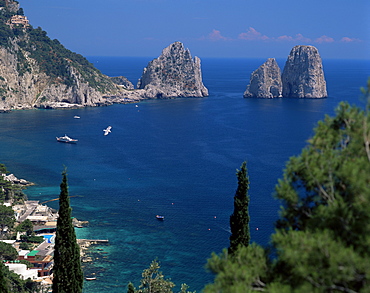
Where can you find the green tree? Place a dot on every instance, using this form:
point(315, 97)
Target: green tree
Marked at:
point(7, 252)
point(243, 271)
point(239, 220)
point(153, 281)
point(3, 279)
point(322, 238)
point(25, 226)
point(131, 288)
point(7, 218)
point(68, 276)
point(11, 282)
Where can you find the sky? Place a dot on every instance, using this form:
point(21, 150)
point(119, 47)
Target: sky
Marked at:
point(340, 29)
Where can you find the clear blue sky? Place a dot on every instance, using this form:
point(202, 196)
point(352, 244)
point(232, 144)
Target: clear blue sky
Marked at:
point(209, 28)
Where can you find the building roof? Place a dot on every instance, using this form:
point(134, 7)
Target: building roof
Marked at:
point(38, 218)
point(23, 252)
point(33, 253)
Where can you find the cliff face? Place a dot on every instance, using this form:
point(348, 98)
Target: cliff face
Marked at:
point(173, 74)
point(265, 82)
point(303, 75)
point(123, 82)
point(35, 88)
point(36, 71)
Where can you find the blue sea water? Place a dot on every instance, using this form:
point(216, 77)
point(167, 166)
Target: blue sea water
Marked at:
point(176, 158)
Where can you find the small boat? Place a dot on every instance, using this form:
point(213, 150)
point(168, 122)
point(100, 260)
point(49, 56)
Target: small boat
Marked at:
point(108, 130)
point(159, 217)
point(66, 139)
point(90, 279)
point(76, 117)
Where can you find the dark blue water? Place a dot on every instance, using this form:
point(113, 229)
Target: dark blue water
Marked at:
point(176, 158)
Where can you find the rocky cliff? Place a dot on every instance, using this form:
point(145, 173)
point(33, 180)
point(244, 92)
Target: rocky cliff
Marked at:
point(303, 75)
point(265, 82)
point(123, 82)
point(36, 71)
point(173, 74)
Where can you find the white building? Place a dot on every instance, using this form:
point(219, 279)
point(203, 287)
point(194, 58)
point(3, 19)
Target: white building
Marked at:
point(22, 271)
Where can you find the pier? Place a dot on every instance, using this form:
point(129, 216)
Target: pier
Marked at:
point(93, 241)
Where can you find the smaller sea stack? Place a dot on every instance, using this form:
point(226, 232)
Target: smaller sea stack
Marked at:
point(265, 82)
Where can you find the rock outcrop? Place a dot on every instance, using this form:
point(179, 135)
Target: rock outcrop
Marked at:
point(36, 71)
point(14, 180)
point(173, 74)
point(303, 75)
point(122, 81)
point(265, 82)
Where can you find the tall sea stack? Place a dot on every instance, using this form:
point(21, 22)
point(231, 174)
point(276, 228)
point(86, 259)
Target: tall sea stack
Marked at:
point(303, 75)
point(265, 82)
point(173, 74)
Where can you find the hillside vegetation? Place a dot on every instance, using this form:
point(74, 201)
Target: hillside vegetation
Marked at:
point(36, 69)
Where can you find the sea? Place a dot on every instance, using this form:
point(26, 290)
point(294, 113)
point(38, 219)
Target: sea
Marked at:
point(176, 158)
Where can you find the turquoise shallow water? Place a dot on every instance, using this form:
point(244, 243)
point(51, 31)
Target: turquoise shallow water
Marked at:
point(176, 158)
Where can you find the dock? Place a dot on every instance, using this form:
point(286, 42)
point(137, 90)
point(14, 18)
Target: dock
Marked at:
point(93, 241)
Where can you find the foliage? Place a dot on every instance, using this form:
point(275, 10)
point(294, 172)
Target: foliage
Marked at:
point(68, 276)
point(8, 190)
point(130, 288)
point(25, 226)
point(3, 279)
point(322, 241)
point(7, 252)
point(11, 282)
point(50, 55)
point(3, 169)
point(241, 271)
point(327, 186)
point(153, 281)
point(32, 239)
point(7, 218)
point(239, 220)
point(25, 246)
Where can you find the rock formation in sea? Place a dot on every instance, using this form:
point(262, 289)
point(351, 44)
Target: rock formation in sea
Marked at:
point(303, 75)
point(173, 74)
point(265, 82)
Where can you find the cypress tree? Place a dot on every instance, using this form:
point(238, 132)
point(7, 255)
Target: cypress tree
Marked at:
point(68, 276)
point(239, 220)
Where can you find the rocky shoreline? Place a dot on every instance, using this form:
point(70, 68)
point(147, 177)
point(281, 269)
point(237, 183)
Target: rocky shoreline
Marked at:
point(173, 74)
point(44, 221)
point(85, 246)
point(14, 180)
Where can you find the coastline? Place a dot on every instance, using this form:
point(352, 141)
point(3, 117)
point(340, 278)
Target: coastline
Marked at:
point(44, 219)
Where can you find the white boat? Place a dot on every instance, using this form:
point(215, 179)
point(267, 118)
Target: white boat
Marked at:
point(76, 117)
point(66, 139)
point(108, 130)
